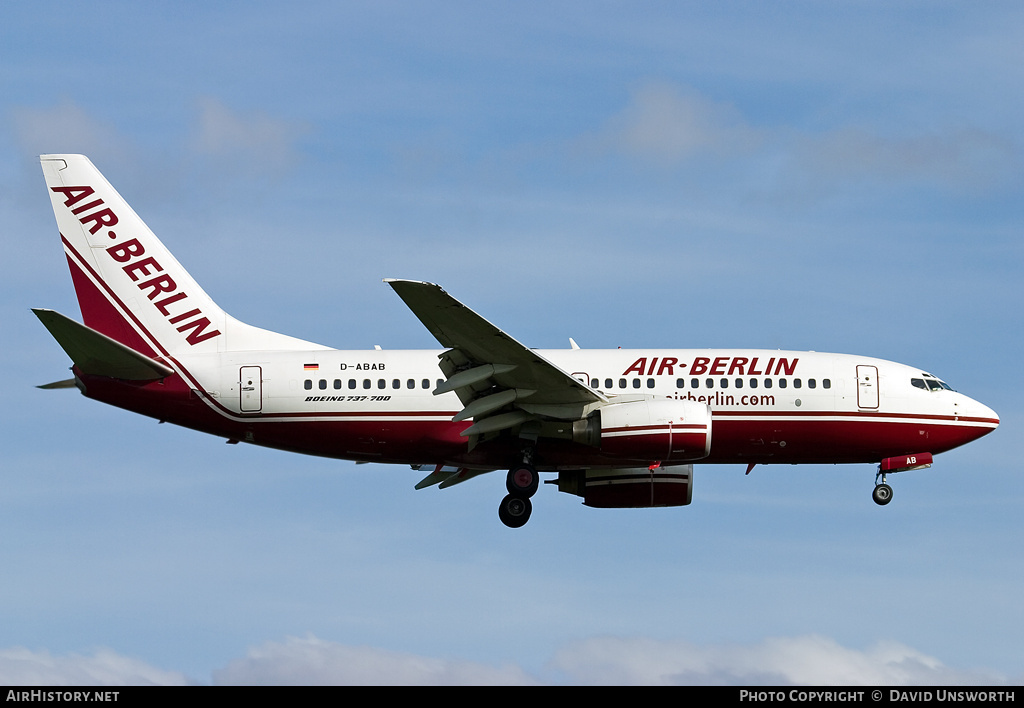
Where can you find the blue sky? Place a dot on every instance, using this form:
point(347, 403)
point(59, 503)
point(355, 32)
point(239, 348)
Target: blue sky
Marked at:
point(831, 176)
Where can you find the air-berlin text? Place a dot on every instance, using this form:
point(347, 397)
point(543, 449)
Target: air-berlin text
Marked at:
point(143, 270)
point(719, 366)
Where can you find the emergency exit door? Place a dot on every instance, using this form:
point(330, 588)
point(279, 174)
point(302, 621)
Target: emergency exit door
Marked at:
point(250, 389)
point(867, 386)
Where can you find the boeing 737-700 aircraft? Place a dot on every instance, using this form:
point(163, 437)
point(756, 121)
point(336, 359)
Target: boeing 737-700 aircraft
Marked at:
point(619, 428)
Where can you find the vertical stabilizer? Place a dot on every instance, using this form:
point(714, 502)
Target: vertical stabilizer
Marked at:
point(129, 286)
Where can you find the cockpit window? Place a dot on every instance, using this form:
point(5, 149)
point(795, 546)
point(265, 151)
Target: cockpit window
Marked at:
point(930, 383)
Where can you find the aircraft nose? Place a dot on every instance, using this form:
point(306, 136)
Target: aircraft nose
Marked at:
point(990, 414)
point(979, 413)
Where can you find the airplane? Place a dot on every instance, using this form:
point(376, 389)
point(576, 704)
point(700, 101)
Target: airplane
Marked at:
point(619, 428)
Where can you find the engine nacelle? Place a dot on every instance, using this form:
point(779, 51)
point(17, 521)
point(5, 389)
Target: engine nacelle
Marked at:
point(656, 429)
point(633, 487)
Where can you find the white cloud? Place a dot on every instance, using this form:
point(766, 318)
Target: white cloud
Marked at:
point(312, 661)
point(805, 660)
point(668, 124)
point(23, 667)
point(255, 139)
point(956, 157)
point(66, 128)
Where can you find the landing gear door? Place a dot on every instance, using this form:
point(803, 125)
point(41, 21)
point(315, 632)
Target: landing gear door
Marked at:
point(250, 389)
point(867, 386)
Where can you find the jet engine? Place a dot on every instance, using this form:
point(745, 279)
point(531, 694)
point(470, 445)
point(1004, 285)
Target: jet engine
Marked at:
point(633, 487)
point(656, 429)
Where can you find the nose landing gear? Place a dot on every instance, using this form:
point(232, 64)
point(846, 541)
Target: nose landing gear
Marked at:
point(883, 492)
point(901, 463)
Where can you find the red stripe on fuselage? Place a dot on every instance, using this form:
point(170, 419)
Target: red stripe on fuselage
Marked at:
point(405, 437)
point(762, 437)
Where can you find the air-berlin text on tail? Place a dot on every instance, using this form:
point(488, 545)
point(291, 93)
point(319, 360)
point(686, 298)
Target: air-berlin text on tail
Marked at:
point(96, 215)
point(719, 366)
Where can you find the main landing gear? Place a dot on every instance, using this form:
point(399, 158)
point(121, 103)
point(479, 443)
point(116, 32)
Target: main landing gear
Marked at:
point(522, 483)
point(883, 492)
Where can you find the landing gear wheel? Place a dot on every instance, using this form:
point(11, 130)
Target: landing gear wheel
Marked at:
point(514, 511)
point(522, 481)
point(882, 494)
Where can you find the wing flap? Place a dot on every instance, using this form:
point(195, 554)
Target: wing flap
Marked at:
point(446, 476)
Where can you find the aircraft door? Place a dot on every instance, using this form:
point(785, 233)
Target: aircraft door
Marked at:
point(867, 386)
point(582, 377)
point(250, 389)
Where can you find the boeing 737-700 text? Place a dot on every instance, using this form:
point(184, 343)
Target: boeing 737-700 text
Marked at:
point(619, 428)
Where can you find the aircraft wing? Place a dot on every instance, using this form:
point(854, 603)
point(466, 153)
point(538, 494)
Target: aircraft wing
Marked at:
point(499, 380)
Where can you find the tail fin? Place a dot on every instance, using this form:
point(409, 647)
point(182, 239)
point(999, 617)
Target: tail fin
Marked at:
point(129, 286)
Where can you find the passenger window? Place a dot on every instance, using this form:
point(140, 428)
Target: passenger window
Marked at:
point(797, 383)
point(622, 383)
point(680, 383)
point(753, 383)
point(710, 383)
point(694, 383)
point(811, 383)
point(352, 383)
point(650, 383)
point(337, 384)
point(594, 383)
point(636, 383)
point(395, 383)
point(608, 383)
point(323, 384)
point(739, 383)
point(767, 383)
point(381, 383)
point(724, 383)
point(366, 383)
point(425, 383)
point(307, 384)
point(411, 383)
point(826, 383)
point(783, 383)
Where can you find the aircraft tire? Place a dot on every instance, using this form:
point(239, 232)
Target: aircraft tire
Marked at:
point(514, 511)
point(882, 494)
point(522, 481)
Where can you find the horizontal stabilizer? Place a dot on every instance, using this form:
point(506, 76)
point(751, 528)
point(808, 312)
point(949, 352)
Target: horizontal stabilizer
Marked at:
point(97, 354)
